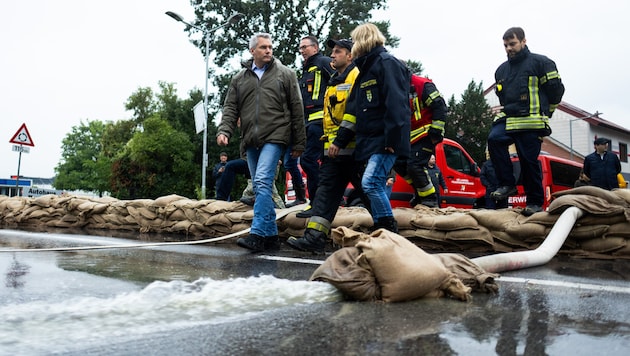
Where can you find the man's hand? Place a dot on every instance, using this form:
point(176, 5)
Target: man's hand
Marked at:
point(333, 150)
point(295, 153)
point(222, 140)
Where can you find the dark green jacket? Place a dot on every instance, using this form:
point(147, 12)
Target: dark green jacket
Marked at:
point(270, 109)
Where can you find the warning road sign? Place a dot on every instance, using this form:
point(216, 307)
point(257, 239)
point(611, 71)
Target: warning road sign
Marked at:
point(22, 137)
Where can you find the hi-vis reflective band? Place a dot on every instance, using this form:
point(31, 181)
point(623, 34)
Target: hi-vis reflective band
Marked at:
point(318, 115)
point(349, 122)
point(318, 82)
point(418, 105)
point(549, 76)
point(534, 95)
point(319, 224)
point(437, 124)
point(526, 123)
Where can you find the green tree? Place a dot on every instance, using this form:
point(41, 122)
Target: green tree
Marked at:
point(79, 168)
point(155, 162)
point(287, 21)
point(469, 120)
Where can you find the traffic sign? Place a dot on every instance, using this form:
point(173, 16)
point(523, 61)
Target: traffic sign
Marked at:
point(22, 137)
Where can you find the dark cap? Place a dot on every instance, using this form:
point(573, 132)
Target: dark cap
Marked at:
point(601, 141)
point(344, 43)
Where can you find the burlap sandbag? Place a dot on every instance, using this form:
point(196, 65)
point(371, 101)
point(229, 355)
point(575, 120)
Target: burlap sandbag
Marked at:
point(403, 270)
point(469, 272)
point(587, 232)
point(589, 203)
point(346, 237)
point(455, 221)
point(166, 200)
point(494, 219)
point(621, 229)
point(623, 194)
point(602, 245)
point(348, 270)
point(590, 190)
point(353, 217)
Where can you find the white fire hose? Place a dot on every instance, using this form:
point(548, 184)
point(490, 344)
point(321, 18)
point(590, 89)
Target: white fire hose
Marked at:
point(544, 253)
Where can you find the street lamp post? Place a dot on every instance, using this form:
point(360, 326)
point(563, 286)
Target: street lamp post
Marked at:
point(596, 114)
point(234, 18)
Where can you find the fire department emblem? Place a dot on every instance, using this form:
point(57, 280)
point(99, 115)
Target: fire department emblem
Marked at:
point(368, 95)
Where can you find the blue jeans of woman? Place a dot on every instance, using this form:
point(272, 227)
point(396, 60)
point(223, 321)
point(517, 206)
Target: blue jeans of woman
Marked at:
point(262, 164)
point(374, 182)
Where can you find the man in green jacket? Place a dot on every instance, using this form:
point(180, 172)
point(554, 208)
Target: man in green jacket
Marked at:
point(266, 97)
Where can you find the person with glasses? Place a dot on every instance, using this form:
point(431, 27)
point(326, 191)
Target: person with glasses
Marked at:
point(316, 72)
point(338, 165)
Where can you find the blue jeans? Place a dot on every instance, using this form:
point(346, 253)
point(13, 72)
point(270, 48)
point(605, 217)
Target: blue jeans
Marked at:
point(262, 164)
point(374, 181)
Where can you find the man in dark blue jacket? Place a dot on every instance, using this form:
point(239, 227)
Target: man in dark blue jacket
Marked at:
point(602, 166)
point(379, 105)
point(529, 89)
point(316, 72)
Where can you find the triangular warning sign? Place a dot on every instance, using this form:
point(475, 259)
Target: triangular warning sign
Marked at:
point(22, 137)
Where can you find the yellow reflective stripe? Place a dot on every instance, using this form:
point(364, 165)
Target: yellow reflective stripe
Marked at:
point(318, 223)
point(432, 96)
point(499, 116)
point(526, 123)
point(317, 115)
point(317, 84)
point(426, 190)
point(552, 108)
point(549, 76)
point(416, 108)
point(438, 125)
point(419, 132)
point(350, 118)
point(534, 98)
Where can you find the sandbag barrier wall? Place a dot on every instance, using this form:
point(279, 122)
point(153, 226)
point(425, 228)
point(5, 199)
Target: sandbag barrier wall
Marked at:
point(603, 232)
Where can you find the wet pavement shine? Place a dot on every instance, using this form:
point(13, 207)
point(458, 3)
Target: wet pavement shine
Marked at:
point(222, 300)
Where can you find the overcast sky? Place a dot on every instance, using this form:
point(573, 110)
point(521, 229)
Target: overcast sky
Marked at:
point(65, 61)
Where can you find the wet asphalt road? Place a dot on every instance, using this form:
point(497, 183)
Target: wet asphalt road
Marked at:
point(566, 307)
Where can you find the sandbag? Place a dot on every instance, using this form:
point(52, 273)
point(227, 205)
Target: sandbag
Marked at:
point(593, 191)
point(403, 270)
point(348, 270)
point(469, 272)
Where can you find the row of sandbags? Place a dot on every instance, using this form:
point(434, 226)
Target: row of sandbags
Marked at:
point(603, 231)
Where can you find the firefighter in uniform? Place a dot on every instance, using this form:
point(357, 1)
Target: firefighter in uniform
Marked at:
point(428, 114)
point(529, 89)
point(338, 164)
point(316, 72)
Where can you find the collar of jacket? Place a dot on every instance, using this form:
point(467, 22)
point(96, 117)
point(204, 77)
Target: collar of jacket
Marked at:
point(339, 78)
point(248, 63)
point(308, 62)
point(520, 56)
point(367, 59)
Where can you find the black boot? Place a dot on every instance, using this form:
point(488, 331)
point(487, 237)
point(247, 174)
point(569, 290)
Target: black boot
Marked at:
point(300, 197)
point(312, 241)
point(387, 223)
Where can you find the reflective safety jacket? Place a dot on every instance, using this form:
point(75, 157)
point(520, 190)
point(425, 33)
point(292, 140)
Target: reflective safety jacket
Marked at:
point(335, 100)
point(529, 89)
point(428, 109)
point(316, 72)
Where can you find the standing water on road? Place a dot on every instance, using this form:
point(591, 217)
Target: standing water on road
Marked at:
point(59, 302)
